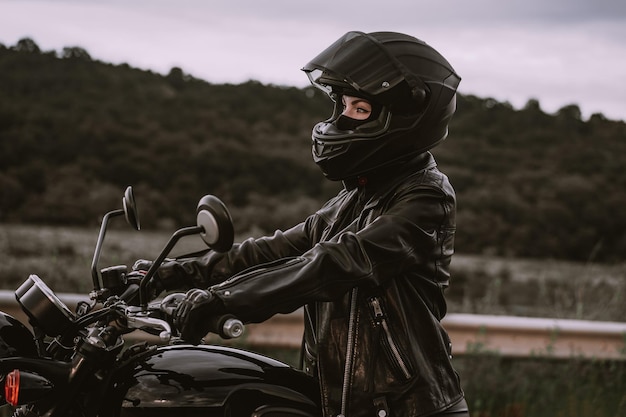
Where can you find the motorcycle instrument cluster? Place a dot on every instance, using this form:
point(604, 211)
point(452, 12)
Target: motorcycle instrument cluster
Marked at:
point(43, 306)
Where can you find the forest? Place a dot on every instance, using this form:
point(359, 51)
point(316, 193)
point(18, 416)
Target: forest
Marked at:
point(75, 132)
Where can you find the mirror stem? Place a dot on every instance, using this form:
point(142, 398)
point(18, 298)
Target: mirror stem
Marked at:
point(187, 231)
point(96, 254)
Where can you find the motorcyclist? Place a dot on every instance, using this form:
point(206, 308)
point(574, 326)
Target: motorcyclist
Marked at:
point(371, 266)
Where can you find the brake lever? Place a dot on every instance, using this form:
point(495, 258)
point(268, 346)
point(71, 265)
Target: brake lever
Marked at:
point(170, 302)
point(136, 319)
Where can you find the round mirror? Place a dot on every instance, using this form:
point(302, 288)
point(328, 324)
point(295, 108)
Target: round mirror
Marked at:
point(130, 208)
point(214, 218)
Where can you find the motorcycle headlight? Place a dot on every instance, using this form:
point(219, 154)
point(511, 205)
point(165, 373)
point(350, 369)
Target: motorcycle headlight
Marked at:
point(43, 306)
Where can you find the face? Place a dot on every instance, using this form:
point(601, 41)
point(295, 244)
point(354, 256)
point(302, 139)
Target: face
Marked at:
point(356, 107)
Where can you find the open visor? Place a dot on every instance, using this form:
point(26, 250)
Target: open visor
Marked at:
point(358, 60)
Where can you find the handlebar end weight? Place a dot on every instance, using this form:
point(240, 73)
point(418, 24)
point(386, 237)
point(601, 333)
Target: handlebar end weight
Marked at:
point(232, 328)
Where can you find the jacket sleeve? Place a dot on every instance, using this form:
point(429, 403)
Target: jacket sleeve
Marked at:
point(213, 267)
point(415, 229)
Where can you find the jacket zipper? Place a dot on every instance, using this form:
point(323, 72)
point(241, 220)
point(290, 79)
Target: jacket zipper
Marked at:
point(347, 380)
point(380, 319)
point(253, 271)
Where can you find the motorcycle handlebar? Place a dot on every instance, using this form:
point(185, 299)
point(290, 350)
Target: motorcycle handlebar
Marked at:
point(227, 326)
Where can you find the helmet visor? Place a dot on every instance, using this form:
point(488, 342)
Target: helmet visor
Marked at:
point(358, 61)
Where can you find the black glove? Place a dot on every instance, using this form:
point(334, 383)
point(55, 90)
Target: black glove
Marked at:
point(139, 270)
point(178, 274)
point(199, 313)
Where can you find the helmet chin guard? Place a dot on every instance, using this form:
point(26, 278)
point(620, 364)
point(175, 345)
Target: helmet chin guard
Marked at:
point(414, 85)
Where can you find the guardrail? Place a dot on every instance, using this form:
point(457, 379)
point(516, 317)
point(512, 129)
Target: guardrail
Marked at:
point(505, 335)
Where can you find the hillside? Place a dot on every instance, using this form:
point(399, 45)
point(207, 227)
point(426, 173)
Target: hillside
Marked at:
point(75, 132)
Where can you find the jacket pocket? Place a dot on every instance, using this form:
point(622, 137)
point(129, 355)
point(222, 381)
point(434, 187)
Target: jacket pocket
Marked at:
point(398, 359)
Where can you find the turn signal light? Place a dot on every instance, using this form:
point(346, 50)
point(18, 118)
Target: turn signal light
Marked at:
point(25, 387)
point(12, 387)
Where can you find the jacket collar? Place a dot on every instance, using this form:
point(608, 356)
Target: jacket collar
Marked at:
point(382, 177)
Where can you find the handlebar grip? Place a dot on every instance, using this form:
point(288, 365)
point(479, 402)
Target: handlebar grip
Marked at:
point(226, 326)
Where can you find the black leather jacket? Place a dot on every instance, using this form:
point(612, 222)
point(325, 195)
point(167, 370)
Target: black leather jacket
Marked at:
point(370, 267)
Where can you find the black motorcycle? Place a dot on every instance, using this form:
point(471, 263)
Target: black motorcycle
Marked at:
point(79, 364)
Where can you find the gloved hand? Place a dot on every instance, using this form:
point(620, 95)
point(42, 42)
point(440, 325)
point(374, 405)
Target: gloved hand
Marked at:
point(177, 274)
point(139, 270)
point(198, 314)
point(141, 266)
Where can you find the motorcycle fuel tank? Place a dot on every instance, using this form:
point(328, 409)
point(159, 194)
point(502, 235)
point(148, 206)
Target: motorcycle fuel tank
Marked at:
point(186, 376)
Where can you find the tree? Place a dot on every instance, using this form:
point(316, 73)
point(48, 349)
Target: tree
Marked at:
point(75, 52)
point(571, 111)
point(176, 78)
point(533, 105)
point(27, 45)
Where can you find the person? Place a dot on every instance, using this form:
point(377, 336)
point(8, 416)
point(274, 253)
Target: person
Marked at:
point(371, 266)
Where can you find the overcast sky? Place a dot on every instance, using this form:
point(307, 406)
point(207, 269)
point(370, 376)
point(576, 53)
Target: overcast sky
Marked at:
point(557, 51)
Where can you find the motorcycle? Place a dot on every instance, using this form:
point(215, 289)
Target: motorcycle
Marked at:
point(78, 363)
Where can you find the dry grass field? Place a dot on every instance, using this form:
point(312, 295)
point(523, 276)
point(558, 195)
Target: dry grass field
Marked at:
point(62, 256)
point(480, 284)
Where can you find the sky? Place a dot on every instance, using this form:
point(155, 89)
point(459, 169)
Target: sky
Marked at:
point(559, 52)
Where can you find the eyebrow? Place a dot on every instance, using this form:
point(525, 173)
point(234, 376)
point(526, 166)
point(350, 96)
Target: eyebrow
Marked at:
point(357, 100)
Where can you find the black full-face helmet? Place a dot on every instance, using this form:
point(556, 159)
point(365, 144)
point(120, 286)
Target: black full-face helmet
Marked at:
point(410, 84)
